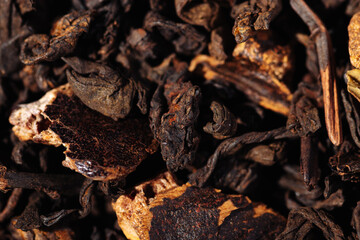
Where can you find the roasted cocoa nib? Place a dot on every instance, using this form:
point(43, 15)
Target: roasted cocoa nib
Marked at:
point(179, 119)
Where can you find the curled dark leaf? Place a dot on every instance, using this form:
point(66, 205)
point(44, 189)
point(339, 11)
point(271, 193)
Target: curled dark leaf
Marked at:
point(85, 195)
point(231, 146)
point(346, 162)
point(220, 44)
point(251, 16)
point(186, 39)
point(224, 125)
point(103, 89)
point(178, 137)
point(55, 217)
point(352, 116)
point(303, 222)
point(203, 13)
point(62, 40)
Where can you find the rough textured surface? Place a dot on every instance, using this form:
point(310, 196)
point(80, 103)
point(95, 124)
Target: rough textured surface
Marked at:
point(96, 146)
point(187, 212)
point(354, 40)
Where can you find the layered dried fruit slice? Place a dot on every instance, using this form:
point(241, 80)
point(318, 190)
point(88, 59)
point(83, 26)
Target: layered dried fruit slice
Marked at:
point(160, 209)
point(96, 146)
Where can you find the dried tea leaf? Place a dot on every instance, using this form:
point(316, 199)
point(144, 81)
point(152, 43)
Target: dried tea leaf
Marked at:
point(177, 135)
point(346, 162)
point(186, 39)
point(258, 85)
point(239, 176)
point(252, 16)
point(185, 212)
point(304, 117)
point(229, 147)
point(202, 13)
point(224, 125)
point(220, 45)
point(96, 146)
point(352, 116)
point(103, 89)
point(303, 222)
point(62, 41)
point(355, 221)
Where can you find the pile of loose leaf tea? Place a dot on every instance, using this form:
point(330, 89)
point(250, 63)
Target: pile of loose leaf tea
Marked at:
point(179, 119)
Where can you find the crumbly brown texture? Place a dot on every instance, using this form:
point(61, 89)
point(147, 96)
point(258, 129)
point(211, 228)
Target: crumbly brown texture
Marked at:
point(96, 146)
point(153, 210)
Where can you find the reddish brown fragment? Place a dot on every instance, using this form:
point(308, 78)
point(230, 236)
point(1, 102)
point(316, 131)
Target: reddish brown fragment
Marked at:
point(62, 40)
point(96, 146)
point(186, 212)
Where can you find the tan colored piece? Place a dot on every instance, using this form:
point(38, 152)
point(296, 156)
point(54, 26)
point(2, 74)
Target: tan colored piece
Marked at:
point(160, 209)
point(354, 40)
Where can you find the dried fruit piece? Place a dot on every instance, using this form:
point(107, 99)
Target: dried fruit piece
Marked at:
point(55, 234)
point(96, 146)
point(103, 89)
point(354, 40)
point(62, 41)
point(185, 212)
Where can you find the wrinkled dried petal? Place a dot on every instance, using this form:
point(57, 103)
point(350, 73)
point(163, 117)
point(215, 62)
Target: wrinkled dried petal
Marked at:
point(62, 41)
point(195, 213)
point(96, 146)
point(202, 13)
point(103, 89)
point(224, 125)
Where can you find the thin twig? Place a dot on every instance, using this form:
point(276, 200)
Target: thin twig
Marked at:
point(326, 65)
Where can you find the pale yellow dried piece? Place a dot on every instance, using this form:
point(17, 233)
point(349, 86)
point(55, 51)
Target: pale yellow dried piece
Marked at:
point(353, 84)
point(354, 40)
